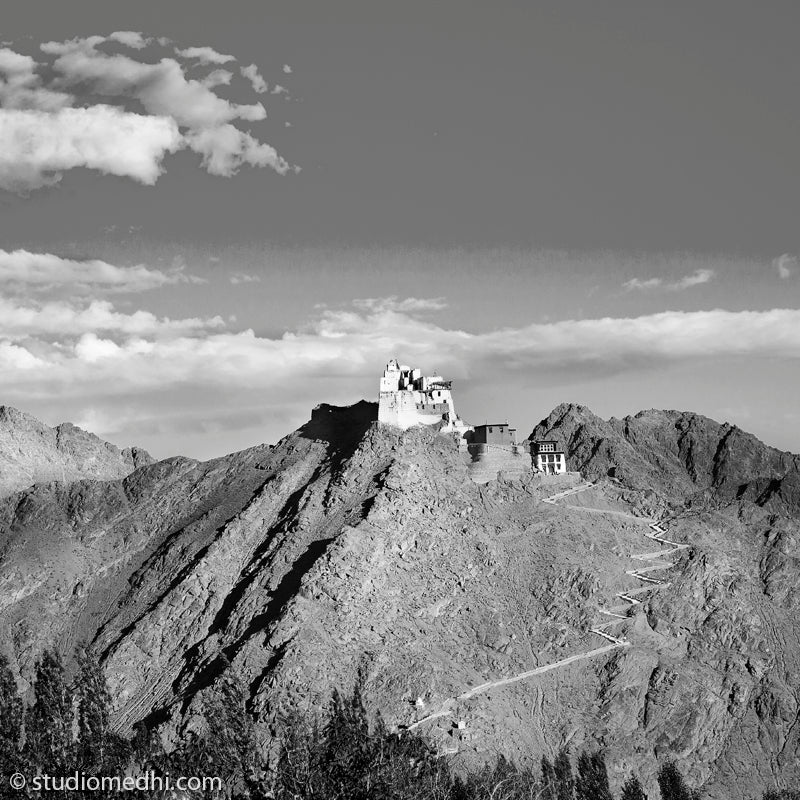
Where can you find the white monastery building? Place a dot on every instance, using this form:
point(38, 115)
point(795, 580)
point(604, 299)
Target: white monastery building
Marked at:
point(408, 398)
point(547, 457)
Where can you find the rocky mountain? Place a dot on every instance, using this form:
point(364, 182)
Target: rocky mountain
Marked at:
point(353, 552)
point(683, 454)
point(31, 452)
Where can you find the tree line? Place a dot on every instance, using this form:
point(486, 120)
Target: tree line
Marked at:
point(66, 730)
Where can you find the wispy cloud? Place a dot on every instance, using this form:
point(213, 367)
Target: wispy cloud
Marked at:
point(59, 321)
point(91, 355)
point(205, 55)
point(785, 265)
point(26, 271)
point(697, 278)
point(256, 81)
point(243, 277)
point(79, 114)
point(407, 305)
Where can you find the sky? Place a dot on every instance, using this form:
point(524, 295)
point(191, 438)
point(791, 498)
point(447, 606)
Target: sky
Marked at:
point(215, 216)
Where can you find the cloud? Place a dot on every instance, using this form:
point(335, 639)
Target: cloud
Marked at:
point(132, 39)
point(217, 77)
point(785, 265)
point(697, 278)
point(642, 284)
point(173, 374)
point(243, 277)
point(256, 81)
point(287, 69)
point(408, 305)
point(205, 55)
point(37, 146)
point(162, 88)
point(26, 271)
point(61, 320)
point(225, 149)
point(22, 88)
point(119, 115)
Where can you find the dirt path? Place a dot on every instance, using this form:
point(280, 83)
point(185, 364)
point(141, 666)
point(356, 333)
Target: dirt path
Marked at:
point(618, 614)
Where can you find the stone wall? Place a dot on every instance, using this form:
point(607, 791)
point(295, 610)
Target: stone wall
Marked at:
point(487, 460)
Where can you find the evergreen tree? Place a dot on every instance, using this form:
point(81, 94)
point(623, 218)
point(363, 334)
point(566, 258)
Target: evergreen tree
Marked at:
point(671, 783)
point(592, 780)
point(347, 759)
point(632, 789)
point(98, 750)
point(548, 780)
point(564, 781)
point(231, 746)
point(227, 748)
point(10, 728)
point(48, 723)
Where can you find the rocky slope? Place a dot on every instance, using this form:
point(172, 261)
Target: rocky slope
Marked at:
point(31, 452)
point(681, 454)
point(351, 550)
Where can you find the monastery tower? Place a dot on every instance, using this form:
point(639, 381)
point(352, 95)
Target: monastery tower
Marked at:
point(408, 398)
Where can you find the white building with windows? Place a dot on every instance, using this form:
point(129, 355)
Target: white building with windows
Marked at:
point(408, 398)
point(548, 457)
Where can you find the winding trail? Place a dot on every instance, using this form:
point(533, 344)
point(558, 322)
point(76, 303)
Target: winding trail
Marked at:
point(618, 614)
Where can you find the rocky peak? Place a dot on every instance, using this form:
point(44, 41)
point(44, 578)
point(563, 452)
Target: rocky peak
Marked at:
point(675, 453)
point(32, 452)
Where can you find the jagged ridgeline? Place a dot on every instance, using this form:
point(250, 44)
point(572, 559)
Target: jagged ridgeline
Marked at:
point(352, 551)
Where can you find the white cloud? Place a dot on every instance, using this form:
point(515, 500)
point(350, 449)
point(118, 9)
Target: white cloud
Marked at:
point(642, 284)
point(256, 81)
point(407, 305)
point(61, 320)
point(132, 39)
point(93, 356)
point(21, 87)
point(36, 146)
point(697, 278)
point(225, 149)
point(217, 77)
point(243, 277)
point(205, 55)
point(162, 88)
point(287, 69)
point(21, 269)
point(88, 123)
point(785, 265)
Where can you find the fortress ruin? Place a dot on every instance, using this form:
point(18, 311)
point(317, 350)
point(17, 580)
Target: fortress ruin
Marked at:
point(408, 398)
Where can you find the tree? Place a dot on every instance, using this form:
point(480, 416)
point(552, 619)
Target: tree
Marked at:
point(347, 758)
point(592, 780)
point(672, 785)
point(564, 782)
point(10, 727)
point(632, 789)
point(48, 722)
point(227, 747)
point(548, 780)
point(98, 750)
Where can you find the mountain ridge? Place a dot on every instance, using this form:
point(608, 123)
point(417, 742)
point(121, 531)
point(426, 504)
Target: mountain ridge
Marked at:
point(699, 454)
point(351, 551)
point(32, 452)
